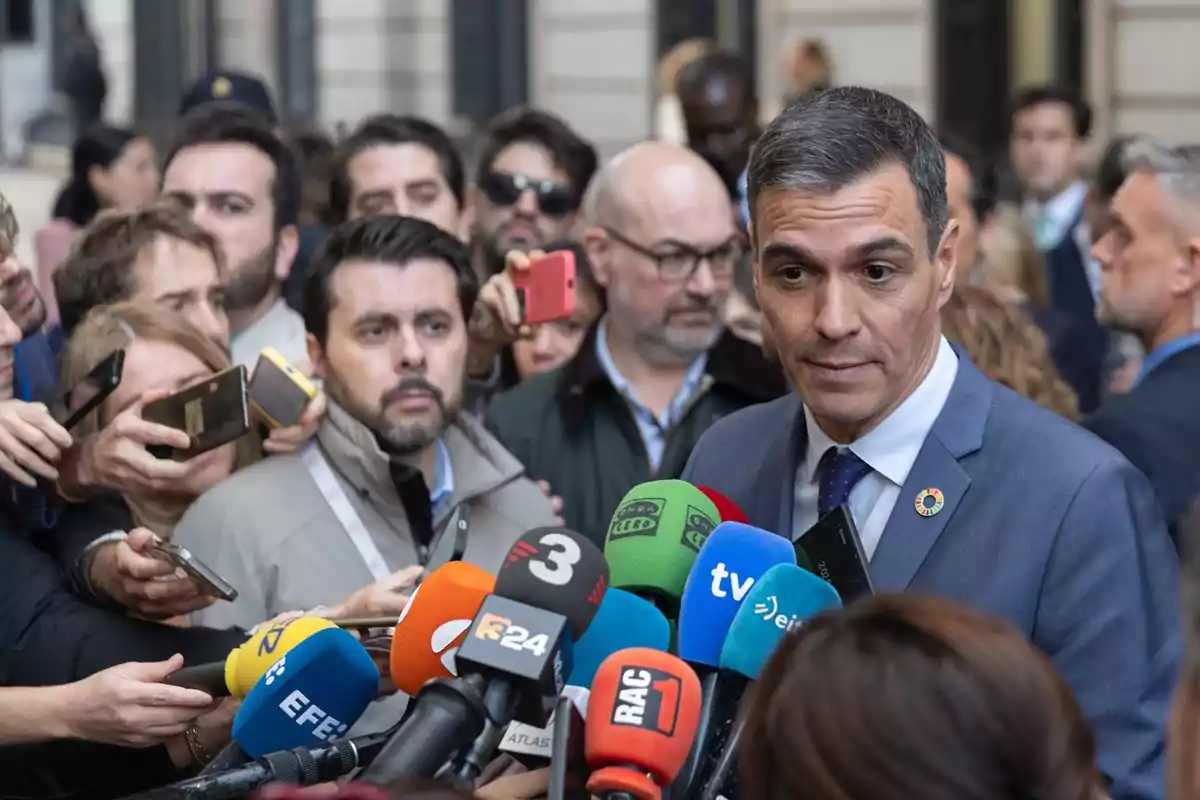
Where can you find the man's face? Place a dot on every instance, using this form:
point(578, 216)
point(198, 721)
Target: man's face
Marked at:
point(20, 298)
point(183, 277)
point(1045, 149)
point(851, 295)
point(661, 294)
point(959, 192)
point(10, 337)
point(1141, 258)
point(395, 354)
point(227, 189)
point(721, 126)
point(403, 179)
point(525, 201)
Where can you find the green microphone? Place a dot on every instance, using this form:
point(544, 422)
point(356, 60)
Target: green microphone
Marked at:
point(655, 536)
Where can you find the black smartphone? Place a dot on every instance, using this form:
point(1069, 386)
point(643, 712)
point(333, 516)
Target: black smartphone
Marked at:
point(832, 550)
point(213, 412)
point(210, 582)
point(81, 399)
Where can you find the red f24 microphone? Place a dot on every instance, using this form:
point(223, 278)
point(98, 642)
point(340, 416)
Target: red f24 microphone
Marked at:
point(642, 717)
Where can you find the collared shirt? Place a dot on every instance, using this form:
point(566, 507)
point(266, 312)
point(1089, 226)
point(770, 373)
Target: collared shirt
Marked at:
point(890, 450)
point(1164, 351)
point(652, 427)
point(443, 484)
point(1054, 220)
point(744, 197)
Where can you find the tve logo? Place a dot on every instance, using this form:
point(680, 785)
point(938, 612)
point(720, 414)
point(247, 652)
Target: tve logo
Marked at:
point(740, 588)
point(649, 699)
point(304, 713)
point(445, 635)
point(769, 610)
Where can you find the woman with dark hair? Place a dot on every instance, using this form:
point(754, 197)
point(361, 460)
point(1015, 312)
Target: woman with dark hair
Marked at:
point(110, 168)
point(904, 697)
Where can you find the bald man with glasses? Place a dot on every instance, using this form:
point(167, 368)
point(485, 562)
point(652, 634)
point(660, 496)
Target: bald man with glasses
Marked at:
point(659, 367)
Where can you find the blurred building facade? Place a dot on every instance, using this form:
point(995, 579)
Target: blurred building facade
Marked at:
point(594, 61)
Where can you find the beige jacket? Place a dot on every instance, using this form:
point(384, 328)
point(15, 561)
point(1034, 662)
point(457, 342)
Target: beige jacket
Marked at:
point(269, 531)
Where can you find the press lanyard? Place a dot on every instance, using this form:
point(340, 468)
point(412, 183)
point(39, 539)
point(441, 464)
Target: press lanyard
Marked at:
point(335, 496)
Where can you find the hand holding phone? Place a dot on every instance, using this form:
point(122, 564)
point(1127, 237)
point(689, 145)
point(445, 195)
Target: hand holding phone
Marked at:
point(279, 393)
point(78, 401)
point(212, 412)
point(211, 584)
point(31, 442)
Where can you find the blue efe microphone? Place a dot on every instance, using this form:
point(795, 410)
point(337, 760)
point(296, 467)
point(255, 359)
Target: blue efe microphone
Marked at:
point(731, 560)
point(623, 620)
point(784, 598)
point(310, 696)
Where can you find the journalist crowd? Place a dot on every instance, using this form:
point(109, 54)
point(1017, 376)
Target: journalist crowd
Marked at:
point(825, 459)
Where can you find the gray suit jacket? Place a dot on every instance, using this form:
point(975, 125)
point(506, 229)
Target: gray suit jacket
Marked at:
point(1044, 524)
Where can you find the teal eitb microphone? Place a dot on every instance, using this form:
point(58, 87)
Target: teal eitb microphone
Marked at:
point(782, 600)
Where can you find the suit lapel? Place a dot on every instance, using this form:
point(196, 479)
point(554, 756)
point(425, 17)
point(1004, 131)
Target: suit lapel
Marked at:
point(774, 485)
point(957, 432)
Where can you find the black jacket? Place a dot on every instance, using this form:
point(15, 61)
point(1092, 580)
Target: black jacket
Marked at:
point(570, 427)
point(1157, 427)
point(49, 636)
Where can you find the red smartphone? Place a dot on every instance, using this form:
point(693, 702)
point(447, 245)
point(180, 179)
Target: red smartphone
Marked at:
point(546, 291)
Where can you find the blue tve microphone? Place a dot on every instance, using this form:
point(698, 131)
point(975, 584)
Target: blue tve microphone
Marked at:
point(734, 557)
point(624, 620)
point(310, 696)
point(782, 600)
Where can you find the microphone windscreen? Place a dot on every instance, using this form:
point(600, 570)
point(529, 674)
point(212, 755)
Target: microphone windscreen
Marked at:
point(312, 695)
point(247, 663)
point(643, 712)
point(655, 535)
point(733, 558)
point(557, 570)
point(729, 510)
point(781, 600)
point(623, 621)
point(434, 622)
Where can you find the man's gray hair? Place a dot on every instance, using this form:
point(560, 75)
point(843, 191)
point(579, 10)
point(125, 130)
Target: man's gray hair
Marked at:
point(1177, 169)
point(832, 138)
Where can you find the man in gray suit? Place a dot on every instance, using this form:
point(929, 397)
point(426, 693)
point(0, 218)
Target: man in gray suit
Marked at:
point(958, 486)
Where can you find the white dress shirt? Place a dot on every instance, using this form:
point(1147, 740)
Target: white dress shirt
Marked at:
point(281, 328)
point(890, 450)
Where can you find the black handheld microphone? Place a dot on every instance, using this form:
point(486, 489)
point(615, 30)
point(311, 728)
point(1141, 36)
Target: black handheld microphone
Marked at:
point(516, 653)
point(303, 766)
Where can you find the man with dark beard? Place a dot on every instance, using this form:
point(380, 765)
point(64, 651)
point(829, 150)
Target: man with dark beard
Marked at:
point(533, 170)
point(395, 458)
point(659, 367)
point(240, 182)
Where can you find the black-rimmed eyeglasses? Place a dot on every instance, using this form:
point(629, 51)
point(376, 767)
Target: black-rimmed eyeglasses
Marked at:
point(677, 262)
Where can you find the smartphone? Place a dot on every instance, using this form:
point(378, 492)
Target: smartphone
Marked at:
point(279, 392)
point(210, 582)
point(81, 399)
point(213, 412)
point(832, 550)
point(546, 291)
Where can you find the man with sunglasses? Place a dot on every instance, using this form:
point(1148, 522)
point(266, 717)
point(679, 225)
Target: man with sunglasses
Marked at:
point(533, 170)
point(659, 367)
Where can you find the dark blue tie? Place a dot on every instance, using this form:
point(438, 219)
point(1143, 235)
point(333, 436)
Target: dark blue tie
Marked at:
point(840, 472)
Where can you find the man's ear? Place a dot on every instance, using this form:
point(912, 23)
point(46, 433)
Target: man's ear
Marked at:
point(285, 252)
point(597, 244)
point(945, 261)
point(316, 357)
point(1187, 277)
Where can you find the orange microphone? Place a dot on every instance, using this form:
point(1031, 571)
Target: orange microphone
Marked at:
point(434, 623)
point(642, 718)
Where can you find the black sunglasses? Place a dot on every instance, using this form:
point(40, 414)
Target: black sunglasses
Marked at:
point(553, 199)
